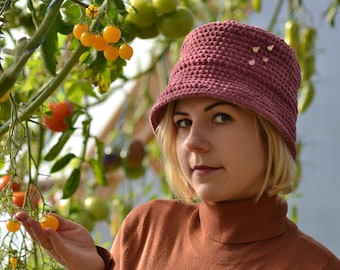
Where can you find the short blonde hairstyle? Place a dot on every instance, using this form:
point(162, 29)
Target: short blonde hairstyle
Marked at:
point(281, 166)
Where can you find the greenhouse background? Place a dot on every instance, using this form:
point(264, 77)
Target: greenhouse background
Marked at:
point(319, 130)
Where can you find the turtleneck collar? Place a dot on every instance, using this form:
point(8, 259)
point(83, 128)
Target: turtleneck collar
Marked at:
point(232, 233)
point(243, 221)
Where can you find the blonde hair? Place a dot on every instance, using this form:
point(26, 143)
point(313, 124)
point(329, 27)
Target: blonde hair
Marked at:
point(281, 166)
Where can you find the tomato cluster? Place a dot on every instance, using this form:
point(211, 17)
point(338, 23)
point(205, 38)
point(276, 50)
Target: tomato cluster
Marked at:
point(149, 18)
point(108, 41)
point(31, 200)
point(6, 180)
point(20, 197)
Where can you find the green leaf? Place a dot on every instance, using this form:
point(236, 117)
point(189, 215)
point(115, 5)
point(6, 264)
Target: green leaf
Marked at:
point(62, 26)
point(49, 50)
point(98, 171)
point(62, 162)
point(120, 7)
point(55, 150)
point(71, 184)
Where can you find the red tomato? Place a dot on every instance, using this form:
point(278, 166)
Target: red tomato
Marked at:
point(18, 198)
point(60, 111)
point(15, 186)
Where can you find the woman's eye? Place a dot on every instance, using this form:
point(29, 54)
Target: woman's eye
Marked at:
point(222, 118)
point(183, 123)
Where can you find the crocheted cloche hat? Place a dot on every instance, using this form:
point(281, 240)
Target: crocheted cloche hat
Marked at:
point(242, 64)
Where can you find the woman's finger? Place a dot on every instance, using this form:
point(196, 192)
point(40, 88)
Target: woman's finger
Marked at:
point(34, 229)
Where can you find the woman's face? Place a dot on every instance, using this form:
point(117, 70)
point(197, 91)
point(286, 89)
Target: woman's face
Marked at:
point(219, 149)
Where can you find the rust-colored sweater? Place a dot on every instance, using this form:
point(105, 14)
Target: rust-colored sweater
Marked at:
point(171, 234)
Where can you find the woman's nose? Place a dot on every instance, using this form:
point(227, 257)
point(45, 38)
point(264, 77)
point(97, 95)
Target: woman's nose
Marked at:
point(197, 139)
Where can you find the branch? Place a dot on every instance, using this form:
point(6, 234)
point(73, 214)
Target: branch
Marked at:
point(10, 75)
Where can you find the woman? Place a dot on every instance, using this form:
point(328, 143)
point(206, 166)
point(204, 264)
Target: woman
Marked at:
point(227, 126)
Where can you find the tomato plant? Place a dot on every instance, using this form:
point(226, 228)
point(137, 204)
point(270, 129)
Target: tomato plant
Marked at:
point(77, 72)
point(97, 207)
point(79, 29)
point(49, 221)
point(125, 51)
point(13, 225)
point(92, 11)
point(4, 181)
point(60, 112)
point(111, 33)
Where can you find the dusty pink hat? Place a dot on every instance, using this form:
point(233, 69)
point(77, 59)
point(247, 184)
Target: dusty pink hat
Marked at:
point(242, 64)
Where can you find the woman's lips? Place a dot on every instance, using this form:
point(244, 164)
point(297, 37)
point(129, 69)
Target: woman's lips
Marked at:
point(203, 169)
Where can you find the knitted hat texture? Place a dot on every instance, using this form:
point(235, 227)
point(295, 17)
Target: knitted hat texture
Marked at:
point(239, 63)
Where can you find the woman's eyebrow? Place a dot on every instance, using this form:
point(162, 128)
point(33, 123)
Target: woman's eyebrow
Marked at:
point(180, 113)
point(218, 103)
point(209, 107)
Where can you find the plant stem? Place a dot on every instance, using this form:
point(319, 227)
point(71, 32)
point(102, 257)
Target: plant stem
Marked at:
point(10, 75)
point(275, 15)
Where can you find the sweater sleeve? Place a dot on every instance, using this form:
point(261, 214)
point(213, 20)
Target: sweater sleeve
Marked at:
point(107, 258)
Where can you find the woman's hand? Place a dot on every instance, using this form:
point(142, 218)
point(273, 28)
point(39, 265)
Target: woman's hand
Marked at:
point(71, 245)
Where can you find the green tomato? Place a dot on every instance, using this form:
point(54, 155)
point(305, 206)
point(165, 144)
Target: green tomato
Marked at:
point(291, 34)
point(306, 96)
point(308, 38)
point(165, 6)
point(147, 32)
point(83, 218)
point(134, 172)
point(64, 206)
point(176, 24)
point(141, 13)
point(97, 207)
